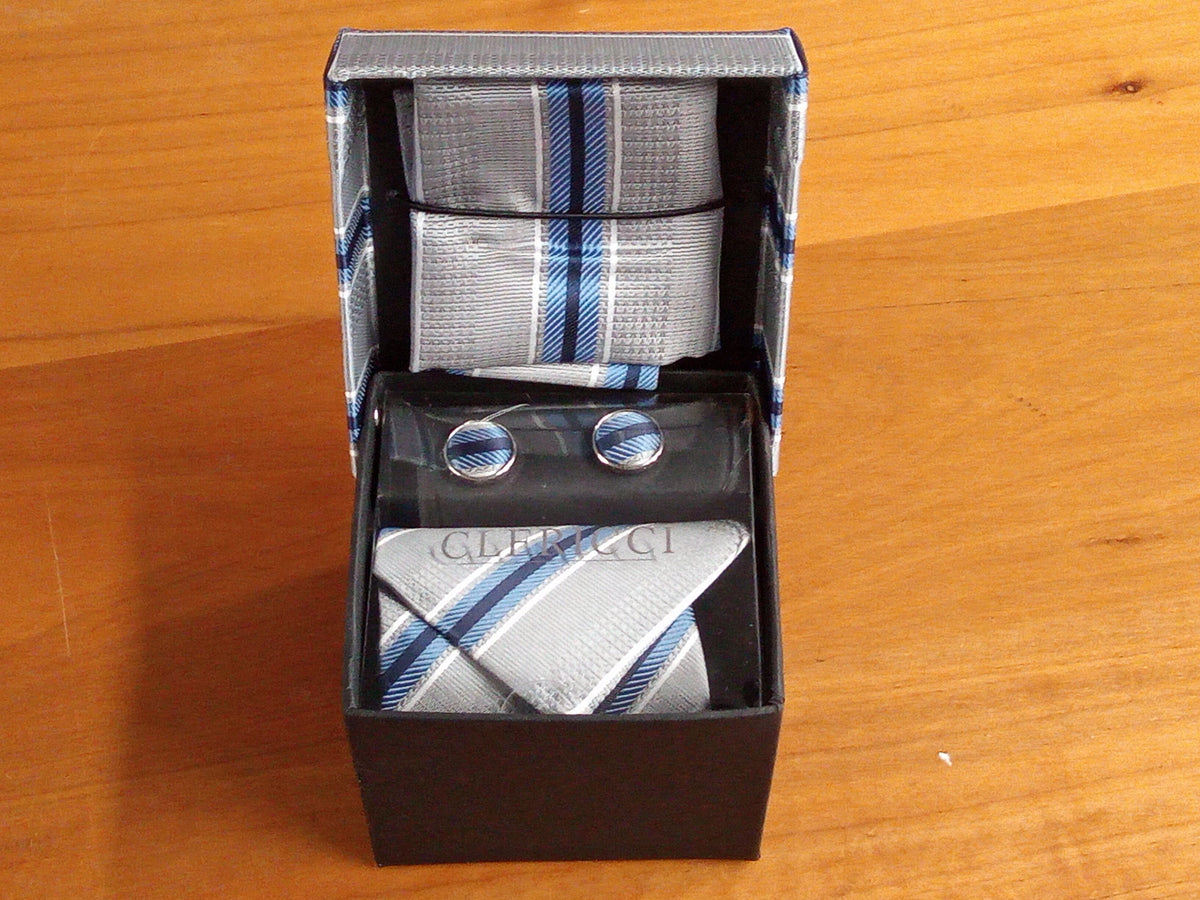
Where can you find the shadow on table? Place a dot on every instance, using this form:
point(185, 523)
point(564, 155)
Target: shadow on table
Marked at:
point(235, 759)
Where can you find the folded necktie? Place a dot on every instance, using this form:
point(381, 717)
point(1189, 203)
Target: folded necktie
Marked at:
point(568, 291)
point(566, 619)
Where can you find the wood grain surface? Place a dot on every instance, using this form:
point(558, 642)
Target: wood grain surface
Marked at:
point(988, 503)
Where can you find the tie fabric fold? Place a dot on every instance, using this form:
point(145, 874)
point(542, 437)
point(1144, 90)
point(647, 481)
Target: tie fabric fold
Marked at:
point(564, 619)
point(553, 292)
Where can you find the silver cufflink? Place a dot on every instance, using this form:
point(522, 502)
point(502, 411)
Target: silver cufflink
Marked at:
point(627, 441)
point(479, 450)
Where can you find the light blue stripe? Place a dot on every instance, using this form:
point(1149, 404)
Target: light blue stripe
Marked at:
point(555, 564)
point(619, 421)
point(587, 341)
point(595, 184)
point(408, 679)
point(614, 375)
point(648, 378)
point(595, 145)
point(637, 681)
point(557, 258)
point(345, 242)
point(400, 643)
point(355, 241)
point(337, 95)
point(480, 589)
point(559, 118)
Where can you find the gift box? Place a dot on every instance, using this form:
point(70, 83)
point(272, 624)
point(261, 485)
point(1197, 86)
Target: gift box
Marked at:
point(565, 265)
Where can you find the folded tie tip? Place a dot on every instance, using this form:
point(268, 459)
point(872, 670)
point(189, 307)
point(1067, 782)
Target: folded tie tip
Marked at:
point(568, 619)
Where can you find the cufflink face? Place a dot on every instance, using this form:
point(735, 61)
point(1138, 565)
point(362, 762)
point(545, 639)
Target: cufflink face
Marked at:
point(479, 451)
point(627, 441)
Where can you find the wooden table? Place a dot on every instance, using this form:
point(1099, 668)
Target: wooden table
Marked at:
point(988, 504)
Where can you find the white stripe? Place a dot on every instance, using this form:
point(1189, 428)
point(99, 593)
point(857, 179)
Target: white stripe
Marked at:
point(605, 684)
point(548, 585)
point(367, 253)
point(379, 543)
point(477, 575)
point(402, 621)
point(594, 375)
point(655, 686)
point(417, 280)
point(612, 226)
point(460, 589)
point(616, 145)
point(612, 290)
point(430, 677)
point(340, 231)
point(539, 190)
point(504, 411)
point(535, 292)
point(538, 148)
point(715, 340)
point(391, 533)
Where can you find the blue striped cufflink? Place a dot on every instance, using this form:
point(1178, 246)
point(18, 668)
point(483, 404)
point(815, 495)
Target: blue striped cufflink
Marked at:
point(627, 440)
point(567, 619)
point(479, 450)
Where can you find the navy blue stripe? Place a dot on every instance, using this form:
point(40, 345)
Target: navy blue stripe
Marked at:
point(631, 377)
point(609, 700)
point(354, 412)
point(574, 268)
point(480, 446)
point(401, 663)
point(784, 234)
point(574, 226)
point(618, 435)
point(455, 634)
point(348, 247)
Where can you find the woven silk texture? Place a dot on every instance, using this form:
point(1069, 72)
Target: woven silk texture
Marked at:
point(597, 301)
point(566, 619)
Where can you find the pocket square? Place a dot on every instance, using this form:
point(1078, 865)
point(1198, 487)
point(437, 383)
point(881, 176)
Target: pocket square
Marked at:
point(565, 619)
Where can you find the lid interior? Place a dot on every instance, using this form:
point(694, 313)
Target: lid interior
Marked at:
point(743, 112)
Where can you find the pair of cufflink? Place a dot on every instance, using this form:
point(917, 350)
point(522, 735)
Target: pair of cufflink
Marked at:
point(483, 450)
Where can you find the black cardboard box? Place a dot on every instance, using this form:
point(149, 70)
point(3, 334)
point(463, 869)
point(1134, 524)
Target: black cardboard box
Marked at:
point(441, 787)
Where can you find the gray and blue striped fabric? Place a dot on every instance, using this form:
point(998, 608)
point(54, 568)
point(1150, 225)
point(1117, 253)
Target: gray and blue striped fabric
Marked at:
point(479, 450)
point(346, 122)
point(559, 292)
point(493, 58)
point(785, 148)
point(627, 440)
point(565, 619)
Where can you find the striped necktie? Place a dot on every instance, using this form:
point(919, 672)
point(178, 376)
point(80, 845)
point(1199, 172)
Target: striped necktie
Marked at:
point(572, 300)
point(566, 619)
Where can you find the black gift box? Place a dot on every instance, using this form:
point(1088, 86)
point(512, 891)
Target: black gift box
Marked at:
point(441, 787)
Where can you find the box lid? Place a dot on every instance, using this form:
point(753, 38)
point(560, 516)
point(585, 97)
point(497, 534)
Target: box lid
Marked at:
point(762, 100)
point(363, 55)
